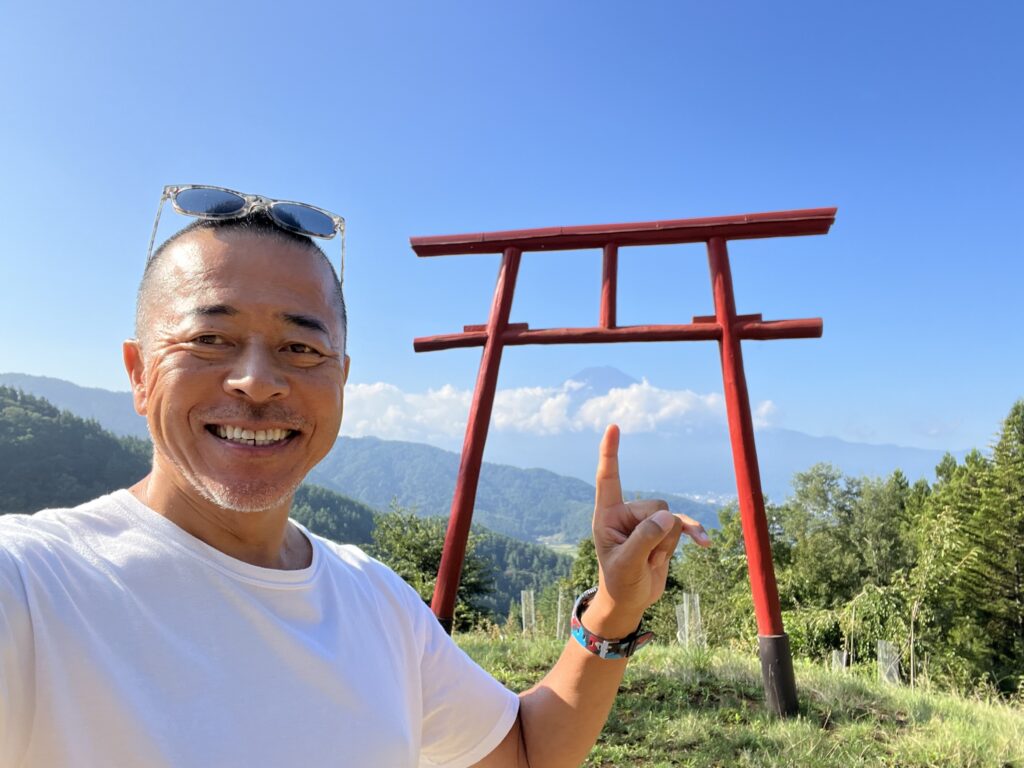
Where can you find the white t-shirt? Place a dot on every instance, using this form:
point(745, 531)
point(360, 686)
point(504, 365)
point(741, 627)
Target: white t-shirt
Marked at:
point(125, 641)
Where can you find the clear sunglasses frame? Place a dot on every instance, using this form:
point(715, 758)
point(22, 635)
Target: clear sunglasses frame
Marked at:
point(252, 203)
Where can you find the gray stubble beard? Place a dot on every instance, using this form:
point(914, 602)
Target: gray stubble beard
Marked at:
point(224, 497)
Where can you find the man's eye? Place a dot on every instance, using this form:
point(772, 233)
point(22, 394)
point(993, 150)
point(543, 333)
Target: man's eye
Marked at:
point(209, 339)
point(302, 349)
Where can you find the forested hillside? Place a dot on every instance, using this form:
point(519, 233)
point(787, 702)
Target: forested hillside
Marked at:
point(517, 502)
point(497, 567)
point(334, 516)
point(114, 411)
point(527, 504)
point(51, 458)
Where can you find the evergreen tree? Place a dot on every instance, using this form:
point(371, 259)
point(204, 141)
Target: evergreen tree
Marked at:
point(719, 575)
point(817, 541)
point(584, 567)
point(412, 546)
point(1001, 529)
point(332, 515)
point(514, 622)
point(518, 565)
point(949, 579)
point(880, 529)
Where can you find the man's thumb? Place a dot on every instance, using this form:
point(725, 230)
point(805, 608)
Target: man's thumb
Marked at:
point(649, 534)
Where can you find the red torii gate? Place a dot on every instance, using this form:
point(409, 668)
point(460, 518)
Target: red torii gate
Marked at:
point(725, 327)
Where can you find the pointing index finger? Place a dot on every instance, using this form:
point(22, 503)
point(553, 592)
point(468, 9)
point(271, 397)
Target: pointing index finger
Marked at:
point(609, 489)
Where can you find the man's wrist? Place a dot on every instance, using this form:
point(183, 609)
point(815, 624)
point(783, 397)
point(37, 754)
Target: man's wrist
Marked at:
point(603, 617)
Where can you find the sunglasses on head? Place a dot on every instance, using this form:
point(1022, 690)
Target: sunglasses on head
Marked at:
point(208, 202)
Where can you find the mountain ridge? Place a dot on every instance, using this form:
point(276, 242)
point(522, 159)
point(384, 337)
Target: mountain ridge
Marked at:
point(690, 460)
point(532, 505)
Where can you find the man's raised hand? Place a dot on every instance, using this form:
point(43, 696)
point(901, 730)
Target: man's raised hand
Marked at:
point(635, 541)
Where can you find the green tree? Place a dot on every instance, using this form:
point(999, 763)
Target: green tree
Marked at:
point(332, 515)
point(949, 579)
point(546, 602)
point(1001, 530)
point(719, 575)
point(412, 546)
point(880, 528)
point(821, 561)
point(517, 565)
point(584, 567)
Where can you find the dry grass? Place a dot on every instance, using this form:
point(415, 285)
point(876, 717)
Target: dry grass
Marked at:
point(680, 708)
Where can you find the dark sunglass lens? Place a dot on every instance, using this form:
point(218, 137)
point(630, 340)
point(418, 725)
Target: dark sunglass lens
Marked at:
point(209, 202)
point(303, 219)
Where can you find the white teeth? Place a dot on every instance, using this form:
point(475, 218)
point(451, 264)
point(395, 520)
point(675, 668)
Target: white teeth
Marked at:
point(252, 437)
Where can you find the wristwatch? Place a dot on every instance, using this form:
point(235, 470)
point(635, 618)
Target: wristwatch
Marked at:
point(599, 646)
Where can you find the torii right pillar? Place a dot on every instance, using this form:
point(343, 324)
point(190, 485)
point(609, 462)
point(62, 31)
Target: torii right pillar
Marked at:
point(773, 644)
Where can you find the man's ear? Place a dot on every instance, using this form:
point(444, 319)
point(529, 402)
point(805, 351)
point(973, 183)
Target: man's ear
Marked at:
point(131, 350)
point(344, 375)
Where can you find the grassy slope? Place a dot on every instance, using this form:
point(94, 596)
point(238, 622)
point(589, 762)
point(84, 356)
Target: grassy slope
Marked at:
point(705, 709)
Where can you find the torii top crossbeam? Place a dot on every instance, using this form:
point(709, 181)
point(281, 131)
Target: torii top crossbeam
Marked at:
point(725, 326)
point(610, 237)
point(813, 221)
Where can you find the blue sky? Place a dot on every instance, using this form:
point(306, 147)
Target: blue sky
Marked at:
point(411, 118)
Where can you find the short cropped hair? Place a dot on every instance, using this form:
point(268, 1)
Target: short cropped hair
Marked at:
point(257, 223)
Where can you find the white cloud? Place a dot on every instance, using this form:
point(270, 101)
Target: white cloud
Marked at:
point(383, 410)
point(645, 408)
point(540, 410)
point(439, 415)
point(764, 413)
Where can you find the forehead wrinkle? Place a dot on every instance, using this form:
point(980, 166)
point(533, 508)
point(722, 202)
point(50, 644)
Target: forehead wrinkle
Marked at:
point(213, 310)
point(190, 269)
point(186, 276)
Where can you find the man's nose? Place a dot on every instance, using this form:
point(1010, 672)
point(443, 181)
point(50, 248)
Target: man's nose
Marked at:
point(256, 376)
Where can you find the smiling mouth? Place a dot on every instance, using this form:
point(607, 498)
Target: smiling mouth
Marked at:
point(249, 436)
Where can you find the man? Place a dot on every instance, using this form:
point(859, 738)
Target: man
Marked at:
point(188, 622)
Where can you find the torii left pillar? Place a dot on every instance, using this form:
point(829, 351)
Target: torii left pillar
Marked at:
point(449, 573)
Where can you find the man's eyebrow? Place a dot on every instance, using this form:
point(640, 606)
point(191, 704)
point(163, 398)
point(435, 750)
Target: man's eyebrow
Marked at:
point(302, 321)
point(305, 321)
point(213, 310)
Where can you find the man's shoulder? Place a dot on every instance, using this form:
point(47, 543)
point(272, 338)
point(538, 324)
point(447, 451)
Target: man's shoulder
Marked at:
point(52, 530)
point(371, 573)
point(351, 558)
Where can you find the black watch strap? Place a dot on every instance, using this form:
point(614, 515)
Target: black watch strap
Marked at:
point(607, 649)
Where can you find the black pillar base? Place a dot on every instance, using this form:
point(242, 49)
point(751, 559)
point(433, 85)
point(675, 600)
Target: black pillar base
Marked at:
point(446, 624)
point(777, 673)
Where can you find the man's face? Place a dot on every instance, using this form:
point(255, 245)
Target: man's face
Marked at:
point(240, 374)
